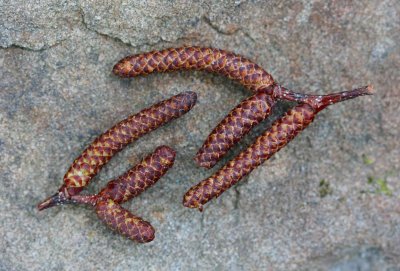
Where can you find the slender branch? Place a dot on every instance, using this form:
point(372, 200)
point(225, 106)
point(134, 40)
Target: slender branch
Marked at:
point(318, 102)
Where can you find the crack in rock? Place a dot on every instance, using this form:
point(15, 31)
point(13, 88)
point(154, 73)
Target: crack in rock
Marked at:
point(71, 22)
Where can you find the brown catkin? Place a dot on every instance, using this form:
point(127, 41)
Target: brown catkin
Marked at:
point(140, 177)
point(280, 133)
point(124, 188)
point(231, 65)
point(94, 157)
point(124, 222)
point(233, 127)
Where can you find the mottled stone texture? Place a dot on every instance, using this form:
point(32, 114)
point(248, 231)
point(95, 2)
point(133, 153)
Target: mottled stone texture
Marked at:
point(330, 200)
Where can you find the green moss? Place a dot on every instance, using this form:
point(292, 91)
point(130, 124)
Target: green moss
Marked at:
point(324, 188)
point(367, 160)
point(383, 187)
point(380, 186)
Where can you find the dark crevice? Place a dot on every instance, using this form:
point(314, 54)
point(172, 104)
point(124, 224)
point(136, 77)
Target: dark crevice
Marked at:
point(81, 14)
point(217, 29)
point(119, 40)
point(107, 36)
point(26, 48)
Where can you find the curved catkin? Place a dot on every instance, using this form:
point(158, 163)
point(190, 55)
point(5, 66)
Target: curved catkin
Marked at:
point(140, 177)
point(281, 133)
point(93, 158)
point(222, 62)
point(231, 65)
point(124, 222)
point(233, 127)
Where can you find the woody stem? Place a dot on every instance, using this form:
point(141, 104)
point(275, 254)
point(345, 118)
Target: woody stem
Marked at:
point(318, 102)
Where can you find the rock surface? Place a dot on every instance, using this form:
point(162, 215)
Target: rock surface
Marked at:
point(330, 200)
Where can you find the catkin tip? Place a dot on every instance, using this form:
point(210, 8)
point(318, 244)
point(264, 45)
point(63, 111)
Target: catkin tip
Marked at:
point(116, 69)
point(122, 68)
point(191, 96)
point(370, 90)
point(167, 149)
point(148, 233)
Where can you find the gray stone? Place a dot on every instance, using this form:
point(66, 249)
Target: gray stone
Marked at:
point(57, 94)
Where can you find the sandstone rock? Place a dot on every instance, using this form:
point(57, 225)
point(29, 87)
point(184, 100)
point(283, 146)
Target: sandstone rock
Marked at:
point(57, 94)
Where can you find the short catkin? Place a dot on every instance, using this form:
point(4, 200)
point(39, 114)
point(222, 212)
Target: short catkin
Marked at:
point(124, 222)
point(140, 177)
point(275, 138)
point(233, 127)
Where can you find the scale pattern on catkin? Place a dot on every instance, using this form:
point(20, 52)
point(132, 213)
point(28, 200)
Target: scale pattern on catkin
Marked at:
point(231, 65)
point(233, 127)
point(89, 163)
point(124, 222)
point(140, 177)
point(281, 133)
